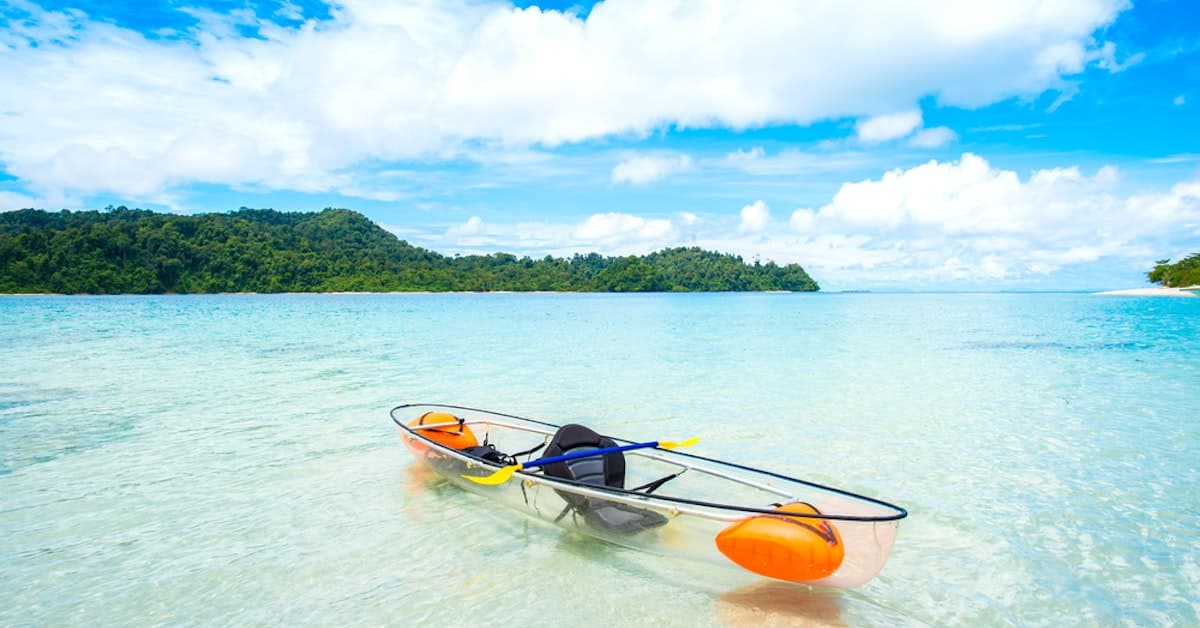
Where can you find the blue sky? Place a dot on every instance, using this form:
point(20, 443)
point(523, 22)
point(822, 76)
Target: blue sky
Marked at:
point(892, 146)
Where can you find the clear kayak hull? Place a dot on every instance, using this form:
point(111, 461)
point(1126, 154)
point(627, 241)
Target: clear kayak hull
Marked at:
point(718, 512)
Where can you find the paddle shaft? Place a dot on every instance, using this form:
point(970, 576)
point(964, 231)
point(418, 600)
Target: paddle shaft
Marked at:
point(586, 454)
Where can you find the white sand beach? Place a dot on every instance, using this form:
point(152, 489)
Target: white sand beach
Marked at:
point(1156, 291)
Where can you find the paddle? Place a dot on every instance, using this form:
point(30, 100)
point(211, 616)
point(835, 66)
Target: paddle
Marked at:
point(504, 473)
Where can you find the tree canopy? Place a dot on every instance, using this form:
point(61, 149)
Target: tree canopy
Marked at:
point(1185, 272)
point(134, 251)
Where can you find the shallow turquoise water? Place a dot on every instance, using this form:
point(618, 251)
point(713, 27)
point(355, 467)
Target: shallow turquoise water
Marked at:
point(230, 460)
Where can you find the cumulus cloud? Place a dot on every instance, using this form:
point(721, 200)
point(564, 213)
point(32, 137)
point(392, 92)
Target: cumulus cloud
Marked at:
point(967, 219)
point(969, 196)
point(641, 169)
point(888, 127)
point(614, 226)
point(803, 219)
point(96, 107)
point(612, 233)
point(754, 217)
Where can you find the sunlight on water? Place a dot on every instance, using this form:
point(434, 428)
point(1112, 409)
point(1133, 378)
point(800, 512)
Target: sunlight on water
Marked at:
point(229, 459)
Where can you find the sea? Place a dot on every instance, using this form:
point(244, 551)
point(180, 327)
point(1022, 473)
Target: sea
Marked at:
point(230, 459)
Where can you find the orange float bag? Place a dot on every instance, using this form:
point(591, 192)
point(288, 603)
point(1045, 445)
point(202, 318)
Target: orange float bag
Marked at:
point(457, 436)
point(796, 549)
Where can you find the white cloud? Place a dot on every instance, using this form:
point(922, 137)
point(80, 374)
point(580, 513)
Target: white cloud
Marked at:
point(895, 126)
point(610, 233)
point(473, 226)
point(754, 217)
point(889, 126)
point(616, 227)
point(101, 108)
point(967, 220)
point(967, 196)
point(13, 200)
point(10, 200)
point(803, 219)
point(933, 138)
point(641, 169)
point(688, 218)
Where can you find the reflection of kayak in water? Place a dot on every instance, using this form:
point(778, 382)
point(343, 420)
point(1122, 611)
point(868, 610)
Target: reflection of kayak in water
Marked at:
point(771, 603)
point(651, 497)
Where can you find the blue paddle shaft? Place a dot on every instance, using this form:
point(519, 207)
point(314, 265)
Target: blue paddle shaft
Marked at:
point(585, 454)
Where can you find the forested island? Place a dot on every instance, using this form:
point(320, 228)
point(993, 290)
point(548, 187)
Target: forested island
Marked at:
point(1185, 272)
point(134, 251)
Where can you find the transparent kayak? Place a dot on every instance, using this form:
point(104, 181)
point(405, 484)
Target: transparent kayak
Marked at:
point(668, 502)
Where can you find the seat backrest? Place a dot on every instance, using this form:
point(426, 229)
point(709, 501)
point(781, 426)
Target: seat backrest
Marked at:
point(612, 518)
point(602, 470)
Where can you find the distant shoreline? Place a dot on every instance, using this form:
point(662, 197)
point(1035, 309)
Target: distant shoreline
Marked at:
point(1156, 291)
point(365, 292)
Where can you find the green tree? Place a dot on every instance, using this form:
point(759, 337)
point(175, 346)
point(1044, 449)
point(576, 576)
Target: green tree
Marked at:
point(1185, 272)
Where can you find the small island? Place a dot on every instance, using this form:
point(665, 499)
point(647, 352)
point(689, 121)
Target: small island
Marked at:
point(134, 251)
point(1182, 274)
point(1181, 279)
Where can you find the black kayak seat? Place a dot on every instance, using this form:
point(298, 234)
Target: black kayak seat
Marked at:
point(601, 470)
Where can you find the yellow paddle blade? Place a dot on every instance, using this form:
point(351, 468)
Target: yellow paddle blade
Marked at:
point(499, 477)
point(670, 444)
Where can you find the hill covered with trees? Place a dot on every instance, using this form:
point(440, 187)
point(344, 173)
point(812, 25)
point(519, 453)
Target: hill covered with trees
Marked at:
point(1185, 272)
point(132, 251)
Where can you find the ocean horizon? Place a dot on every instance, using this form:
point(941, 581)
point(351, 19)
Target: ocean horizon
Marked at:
point(1092, 291)
point(230, 459)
